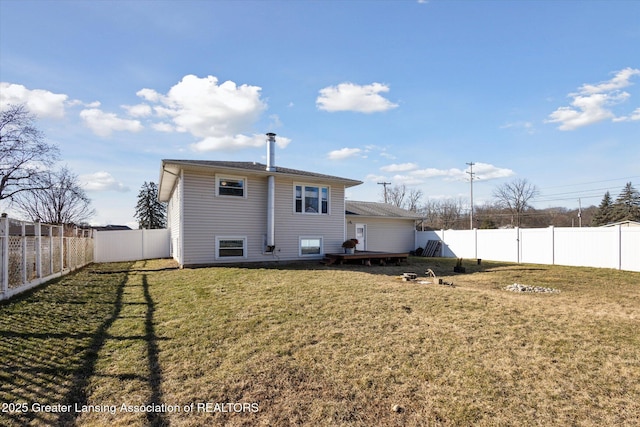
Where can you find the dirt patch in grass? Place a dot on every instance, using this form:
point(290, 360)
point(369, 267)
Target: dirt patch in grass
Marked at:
point(306, 344)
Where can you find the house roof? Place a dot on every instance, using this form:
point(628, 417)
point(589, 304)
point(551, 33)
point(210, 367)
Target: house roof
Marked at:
point(171, 168)
point(626, 223)
point(375, 209)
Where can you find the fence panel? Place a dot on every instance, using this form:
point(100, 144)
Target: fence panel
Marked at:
point(33, 253)
point(456, 244)
point(630, 248)
point(537, 245)
point(499, 245)
point(587, 247)
point(605, 247)
point(131, 245)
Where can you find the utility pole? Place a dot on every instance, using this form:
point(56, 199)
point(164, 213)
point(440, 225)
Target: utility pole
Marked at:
point(386, 200)
point(579, 213)
point(471, 181)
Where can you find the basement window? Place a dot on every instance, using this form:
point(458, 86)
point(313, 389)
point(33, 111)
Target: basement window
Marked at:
point(310, 246)
point(310, 199)
point(231, 247)
point(234, 186)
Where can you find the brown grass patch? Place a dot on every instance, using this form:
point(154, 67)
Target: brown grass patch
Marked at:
point(314, 345)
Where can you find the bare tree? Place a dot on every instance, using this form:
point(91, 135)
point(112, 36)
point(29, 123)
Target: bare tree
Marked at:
point(451, 212)
point(443, 214)
point(413, 200)
point(515, 197)
point(23, 152)
point(396, 194)
point(58, 199)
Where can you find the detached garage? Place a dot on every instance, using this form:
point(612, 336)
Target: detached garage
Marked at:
point(381, 226)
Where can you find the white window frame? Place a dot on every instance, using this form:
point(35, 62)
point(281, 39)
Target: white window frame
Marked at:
point(222, 238)
point(221, 177)
point(301, 238)
point(319, 187)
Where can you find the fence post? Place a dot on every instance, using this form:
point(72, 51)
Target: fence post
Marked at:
point(38, 243)
point(61, 234)
point(143, 243)
point(4, 232)
point(475, 243)
point(618, 231)
point(24, 252)
point(518, 244)
point(553, 244)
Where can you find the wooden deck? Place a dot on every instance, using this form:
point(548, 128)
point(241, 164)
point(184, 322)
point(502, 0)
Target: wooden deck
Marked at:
point(366, 258)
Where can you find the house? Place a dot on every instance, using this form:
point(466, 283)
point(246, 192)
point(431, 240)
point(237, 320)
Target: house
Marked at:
point(625, 223)
point(222, 211)
point(381, 226)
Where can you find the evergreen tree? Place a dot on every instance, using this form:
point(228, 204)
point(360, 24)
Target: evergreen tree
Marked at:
point(627, 206)
point(150, 212)
point(604, 214)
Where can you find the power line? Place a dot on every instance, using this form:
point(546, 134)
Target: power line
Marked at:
point(593, 182)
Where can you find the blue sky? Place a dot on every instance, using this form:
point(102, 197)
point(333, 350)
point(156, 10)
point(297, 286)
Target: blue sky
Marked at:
point(405, 92)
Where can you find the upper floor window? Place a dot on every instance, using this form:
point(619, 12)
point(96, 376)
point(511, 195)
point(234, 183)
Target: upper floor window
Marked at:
point(311, 199)
point(231, 186)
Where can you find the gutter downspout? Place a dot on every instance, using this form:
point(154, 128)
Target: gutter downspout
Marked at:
point(271, 194)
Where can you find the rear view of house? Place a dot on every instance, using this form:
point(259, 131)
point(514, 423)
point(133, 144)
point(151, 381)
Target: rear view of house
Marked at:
point(221, 211)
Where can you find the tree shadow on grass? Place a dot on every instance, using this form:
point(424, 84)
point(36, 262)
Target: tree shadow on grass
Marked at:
point(50, 341)
point(155, 370)
point(49, 338)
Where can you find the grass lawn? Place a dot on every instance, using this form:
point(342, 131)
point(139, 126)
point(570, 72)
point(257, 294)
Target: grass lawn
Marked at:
point(304, 344)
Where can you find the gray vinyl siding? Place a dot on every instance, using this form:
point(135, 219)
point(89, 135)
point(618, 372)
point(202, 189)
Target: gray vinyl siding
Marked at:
point(207, 216)
point(385, 234)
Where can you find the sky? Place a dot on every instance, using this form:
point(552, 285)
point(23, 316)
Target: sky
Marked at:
point(405, 92)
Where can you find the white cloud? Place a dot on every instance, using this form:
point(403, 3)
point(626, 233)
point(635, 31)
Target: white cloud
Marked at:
point(525, 126)
point(139, 110)
point(634, 116)
point(403, 167)
point(482, 171)
point(375, 178)
point(163, 127)
point(220, 115)
point(40, 102)
point(486, 171)
point(236, 142)
point(352, 97)
point(344, 153)
point(593, 103)
point(102, 124)
point(619, 81)
point(101, 181)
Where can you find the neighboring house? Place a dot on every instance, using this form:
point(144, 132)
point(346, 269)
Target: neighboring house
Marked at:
point(626, 223)
point(111, 227)
point(381, 226)
point(221, 211)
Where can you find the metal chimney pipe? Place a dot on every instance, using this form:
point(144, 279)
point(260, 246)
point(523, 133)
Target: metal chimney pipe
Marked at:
point(271, 152)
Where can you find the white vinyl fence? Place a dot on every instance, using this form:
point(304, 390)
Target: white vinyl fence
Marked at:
point(131, 245)
point(607, 247)
point(32, 253)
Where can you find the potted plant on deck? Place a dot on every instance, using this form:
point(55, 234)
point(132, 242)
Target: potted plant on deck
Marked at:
point(350, 246)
